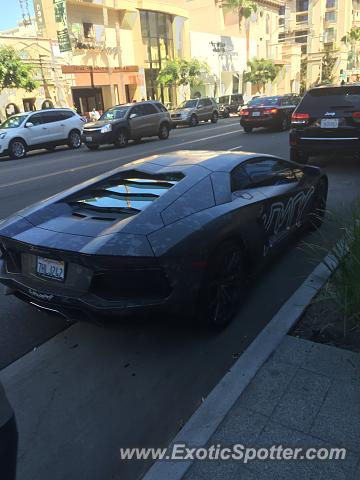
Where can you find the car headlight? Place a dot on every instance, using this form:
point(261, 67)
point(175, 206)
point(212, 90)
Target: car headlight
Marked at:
point(106, 128)
point(2, 135)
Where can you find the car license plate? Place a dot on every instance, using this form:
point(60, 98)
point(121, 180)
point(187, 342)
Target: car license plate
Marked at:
point(49, 268)
point(329, 123)
point(256, 114)
point(88, 139)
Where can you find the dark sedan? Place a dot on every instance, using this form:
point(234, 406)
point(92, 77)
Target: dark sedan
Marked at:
point(269, 112)
point(181, 231)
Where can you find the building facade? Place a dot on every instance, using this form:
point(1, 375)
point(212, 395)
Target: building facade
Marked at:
point(317, 25)
point(117, 48)
point(39, 52)
point(227, 46)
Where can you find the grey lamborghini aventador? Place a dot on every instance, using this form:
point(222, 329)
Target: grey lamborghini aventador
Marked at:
point(171, 231)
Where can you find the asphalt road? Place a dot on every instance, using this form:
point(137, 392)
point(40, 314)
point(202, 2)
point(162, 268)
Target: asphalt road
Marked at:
point(89, 391)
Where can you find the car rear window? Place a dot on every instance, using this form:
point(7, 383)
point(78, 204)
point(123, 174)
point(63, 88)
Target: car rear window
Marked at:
point(127, 194)
point(334, 98)
point(264, 101)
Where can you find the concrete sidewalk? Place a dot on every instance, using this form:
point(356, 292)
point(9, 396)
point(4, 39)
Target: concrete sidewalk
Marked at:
point(305, 395)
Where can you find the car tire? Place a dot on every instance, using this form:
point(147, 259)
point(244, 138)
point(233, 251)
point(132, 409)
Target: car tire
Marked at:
point(214, 117)
point(122, 139)
point(164, 131)
point(316, 216)
point(194, 121)
point(17, 149)
point(51, 149)
point(223, 286)
point(92, 147)
point(226, 114)
point(74, 139)
point(298, 156)
point(247, 129)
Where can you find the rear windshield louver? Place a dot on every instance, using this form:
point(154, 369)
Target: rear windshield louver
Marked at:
point(126, 195)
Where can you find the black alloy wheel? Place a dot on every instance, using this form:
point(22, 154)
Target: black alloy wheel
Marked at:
point(224, 286)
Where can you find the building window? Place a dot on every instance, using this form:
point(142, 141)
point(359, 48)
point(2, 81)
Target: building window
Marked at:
point(157, 35)
point(281, 37)
point(329, 35)
point(330, 3)
point(281, 21)
point(88, 30)
point(302, 5)
point(267, 21)
point(302, 18)
point(301, 37)
point(330, 17)
point(282, 10)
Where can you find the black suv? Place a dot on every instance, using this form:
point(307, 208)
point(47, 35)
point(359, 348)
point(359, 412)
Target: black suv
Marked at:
point(326, 120)
point(269, 112)
point(229, 104)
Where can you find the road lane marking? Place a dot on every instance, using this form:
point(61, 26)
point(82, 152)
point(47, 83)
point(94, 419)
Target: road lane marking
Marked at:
point(235, 148)
point(111, 160)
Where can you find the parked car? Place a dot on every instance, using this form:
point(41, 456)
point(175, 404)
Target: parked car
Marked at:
point(126, 122)
point(191, 112)
point(229, 104)
point(269, 112)
point(8, 439)
point(326, 121)
point(178, 232)
point(42, 129)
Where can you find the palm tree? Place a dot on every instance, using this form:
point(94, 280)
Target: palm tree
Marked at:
point(353, 38)
point(244, 9)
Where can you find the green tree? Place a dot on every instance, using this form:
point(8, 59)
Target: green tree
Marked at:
point(261, 72)
point(13, 72)
point(243, 9)
point(182, 72)
point(327, 68)
point(352, 39)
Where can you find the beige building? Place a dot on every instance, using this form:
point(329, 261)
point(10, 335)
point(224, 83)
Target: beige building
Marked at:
point(217, 38)
point(315, 25)
point(118, 47)
point(39, 53)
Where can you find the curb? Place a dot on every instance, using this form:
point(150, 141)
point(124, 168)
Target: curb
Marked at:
point(205, 420)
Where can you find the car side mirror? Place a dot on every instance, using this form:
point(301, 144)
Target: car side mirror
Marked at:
point(199, 106)
point(29, 125)
point(132, 115)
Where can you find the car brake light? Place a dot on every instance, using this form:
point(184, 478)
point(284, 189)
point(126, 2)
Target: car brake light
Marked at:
point(244, 112)
point(270, 111)
point(300, 116)
point(356, 116)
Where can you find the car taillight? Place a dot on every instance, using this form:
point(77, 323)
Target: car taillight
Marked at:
point(270, 111)
point(244, 112)
point(356, 116)
point(300, 117)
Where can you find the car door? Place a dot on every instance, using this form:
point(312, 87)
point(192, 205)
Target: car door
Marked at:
point(151, 119)
point(54, 123)
point(201, 111)
point(208, 108)
point(137, 122)
point(35, 132)
point(284, 197)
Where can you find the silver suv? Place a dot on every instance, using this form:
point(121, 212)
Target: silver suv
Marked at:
point(127, 122)
point(48, 128)
point(191, 112)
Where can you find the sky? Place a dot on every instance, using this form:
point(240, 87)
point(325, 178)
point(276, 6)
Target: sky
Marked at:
point(13, 13)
